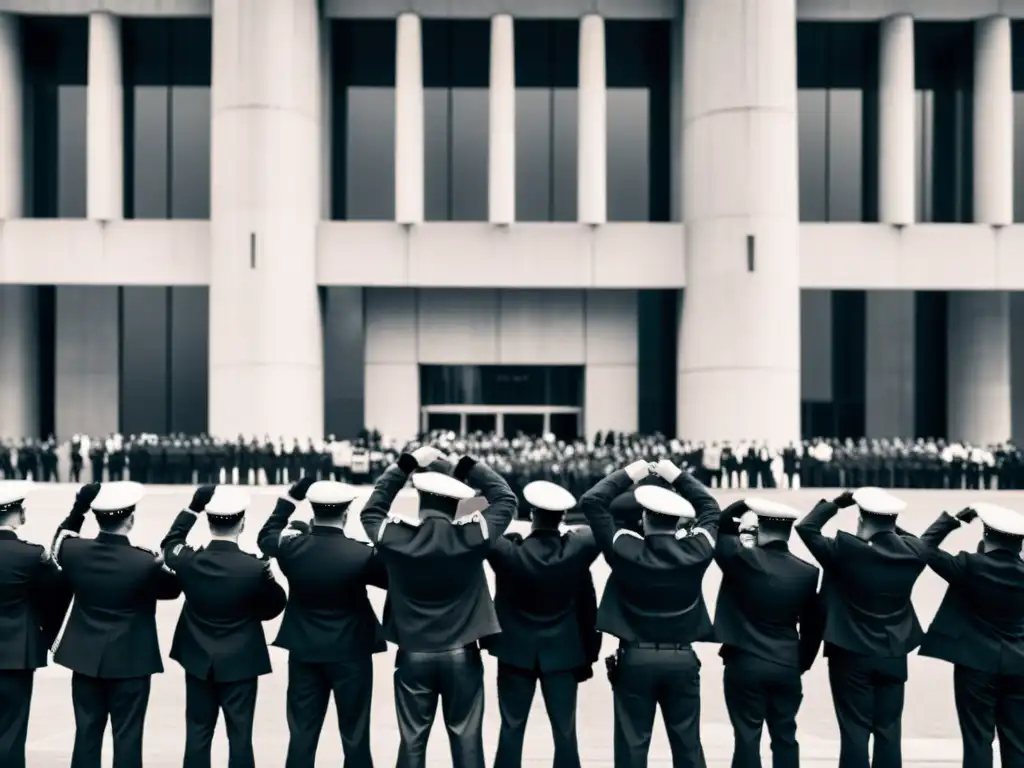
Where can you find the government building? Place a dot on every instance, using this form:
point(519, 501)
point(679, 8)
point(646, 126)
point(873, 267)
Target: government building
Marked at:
point(720, 219)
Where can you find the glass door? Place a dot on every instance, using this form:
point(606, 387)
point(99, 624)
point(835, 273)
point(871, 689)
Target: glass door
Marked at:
point(529, 424)
point(481, 422)
point(565, 426)
point(445, 422)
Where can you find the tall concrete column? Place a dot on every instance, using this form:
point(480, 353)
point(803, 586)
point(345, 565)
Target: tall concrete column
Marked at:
point(739, 357)
point(979, 366)
point(104, 120)
point(896, 121)
point(501, 170)
point(592, 125)
point(266, 348)
point(409, 129)
point(993, 122)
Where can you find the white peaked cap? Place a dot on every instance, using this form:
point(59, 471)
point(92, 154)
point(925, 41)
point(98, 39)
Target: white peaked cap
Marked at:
point(878, 502)
point(771, 509)
point(228, 501)
point(663, 502)
point(14, 491)
point(1000, 519)
point(114, 497)
point(439, 484)
point(542, 494)
point(331, 492)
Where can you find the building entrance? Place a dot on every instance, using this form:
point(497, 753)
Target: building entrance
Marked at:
point(508, 420)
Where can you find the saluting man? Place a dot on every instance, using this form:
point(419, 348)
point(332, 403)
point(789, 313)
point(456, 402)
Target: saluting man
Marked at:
point(439, 605)
point(654, 603)
point(768, 621)
point(547, 609)
point(978, 628)
point(219, 639)
point(870, 623)
point(329, 627)
point(110, 641)
point(34, 599)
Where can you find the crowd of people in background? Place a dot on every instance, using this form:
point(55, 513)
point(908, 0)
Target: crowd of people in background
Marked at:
point(575, 464)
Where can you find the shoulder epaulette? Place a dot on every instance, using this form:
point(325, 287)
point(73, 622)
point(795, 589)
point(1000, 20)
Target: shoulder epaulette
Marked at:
point(147, 550)
point(477, 518)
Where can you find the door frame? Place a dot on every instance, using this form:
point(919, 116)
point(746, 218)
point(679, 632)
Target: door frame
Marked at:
point(499, 412)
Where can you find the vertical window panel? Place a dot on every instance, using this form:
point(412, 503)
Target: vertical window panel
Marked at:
point(1017, 47)
point(533, 154)
point(470, 119)
point(190, 161)
point(71, 152)
point(812, 124)
point(150, 150)
point(845, 155)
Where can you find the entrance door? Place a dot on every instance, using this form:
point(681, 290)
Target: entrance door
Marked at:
point(481, 422)
point(565, 426)
point(530, 424)
point(445, 422)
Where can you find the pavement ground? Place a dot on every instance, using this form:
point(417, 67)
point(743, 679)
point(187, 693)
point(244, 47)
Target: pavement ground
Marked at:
point(931, 735)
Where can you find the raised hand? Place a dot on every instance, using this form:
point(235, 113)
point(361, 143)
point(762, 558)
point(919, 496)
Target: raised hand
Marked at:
point(201, 498)
point(967, 515)
point(844, 500)
point(87, 495)
point(426, 455)
point(299, 490)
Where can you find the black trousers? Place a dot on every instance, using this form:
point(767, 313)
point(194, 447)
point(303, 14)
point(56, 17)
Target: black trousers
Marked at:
point(759, 692)
point(649, 678)
point(516, 688)
point(457, 678)
point(867, 693)
point(310, 686)
point(15, 702)
point(987, 705)
point(204, 701)
point(122, 701)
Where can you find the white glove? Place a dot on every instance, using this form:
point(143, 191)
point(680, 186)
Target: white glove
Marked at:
point(426, 455)
point(668, 471)
point(638, 470)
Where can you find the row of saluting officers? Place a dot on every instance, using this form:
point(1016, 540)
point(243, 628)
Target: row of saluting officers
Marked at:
point(543, 624)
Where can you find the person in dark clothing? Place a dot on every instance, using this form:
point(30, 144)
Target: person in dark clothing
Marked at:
point(547, 609)
point(48, 460)
point(439, 606)
point(219, 639)
point(110, 641)
point(34, 599)
point(329, 628)
point(769, 623)
point(653, 602)
point(978, 629)
point(870, 623)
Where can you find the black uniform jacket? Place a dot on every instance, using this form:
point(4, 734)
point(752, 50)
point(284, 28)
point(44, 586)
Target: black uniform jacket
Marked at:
point(33, 600)
point(654, 593)
point(438, 596)
point(329, 617)
point(228, 594)
point(980, 623)
point(866, 586)
point(768, 602)
point(542, 584)
point(111, 631)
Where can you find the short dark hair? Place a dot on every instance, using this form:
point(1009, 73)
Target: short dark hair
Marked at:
point(775, 527)
point(329, 511)
point(661, 522)
point(1003, 541)
point(111, 523)
point(547, 518)
point(223, 529)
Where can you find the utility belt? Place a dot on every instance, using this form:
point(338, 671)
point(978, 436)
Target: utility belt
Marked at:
point(611, 663)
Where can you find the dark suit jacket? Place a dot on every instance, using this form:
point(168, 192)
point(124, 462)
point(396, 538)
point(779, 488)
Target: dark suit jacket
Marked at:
point(980, 623)
point(768, 602)
point(866, 586)
point(228, 594)
point(111, 630)
point(654, 593)
point(329, 616)
point(438, 596)
point(541, 587)
point(33, 600)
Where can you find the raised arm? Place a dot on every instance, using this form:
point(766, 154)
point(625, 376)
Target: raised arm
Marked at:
point(728, 544)
point(701, 537)
point(812, 627)
point(177, 553)
point(501, 502)
point(377, 507)
point(271, 598)
point(72, 524)
point(595, 504)
point(809, 529)
point(270, 539)
point(949, 567)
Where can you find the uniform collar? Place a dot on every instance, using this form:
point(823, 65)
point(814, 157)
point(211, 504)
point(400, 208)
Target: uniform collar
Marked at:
point(112, 538)
point(777, 544)
point(433, 514)
point(7, 534)
point(222, 544)
point(544, 532)
point(326, 530)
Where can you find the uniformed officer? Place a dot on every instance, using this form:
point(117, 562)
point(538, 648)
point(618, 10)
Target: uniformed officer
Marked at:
point(654, 604)
point(219, 639)
point(978, 628)
point(439, 606)
point(110, 640)
point(329, 627)
point(768, 622)
point(547, 609)
point(870, 623)
point(34, 599)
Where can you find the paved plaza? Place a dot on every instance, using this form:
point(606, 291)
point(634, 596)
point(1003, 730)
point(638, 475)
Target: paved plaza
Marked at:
point(931, 737)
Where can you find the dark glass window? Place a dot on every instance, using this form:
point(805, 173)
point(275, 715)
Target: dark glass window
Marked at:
point(501, 385)
point(547, 77)
point(1018, 120)
point(55, 64)
point(837, 102)
point(167, 64)
point(363, 120)
point(637, 61)
point(456, 103)
point(944, 74)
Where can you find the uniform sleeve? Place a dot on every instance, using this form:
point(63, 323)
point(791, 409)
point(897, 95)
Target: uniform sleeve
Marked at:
point(51, 596)
point(595, 505)
point(704, 505)
point(166, 585)
point(502, 549)
point(270, 539)
point(501, 502)
point(585, 543)
point(69, 528)
point(728, 544)
point(376, 571)
point(809, 530)
point(271, 599)
point(377, 507)
point(177, 554)
point(812, 627)
point(949, 567)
